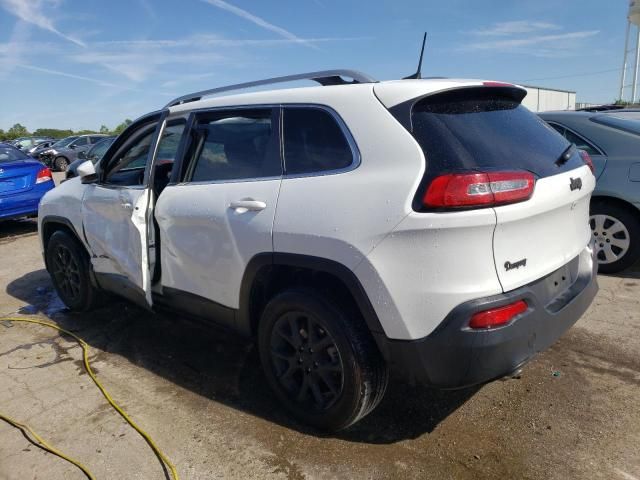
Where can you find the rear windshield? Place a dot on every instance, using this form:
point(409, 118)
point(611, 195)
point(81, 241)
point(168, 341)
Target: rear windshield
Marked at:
point(10, 154)
point(477, 129)
point(627, 121)
point(64, 142)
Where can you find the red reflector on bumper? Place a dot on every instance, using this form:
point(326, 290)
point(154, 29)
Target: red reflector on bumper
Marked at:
point(498, 316)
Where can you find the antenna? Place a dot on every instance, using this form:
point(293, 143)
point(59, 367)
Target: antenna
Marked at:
point(418, 74)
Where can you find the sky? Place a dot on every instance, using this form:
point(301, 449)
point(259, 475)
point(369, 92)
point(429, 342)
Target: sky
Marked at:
point(83, 63)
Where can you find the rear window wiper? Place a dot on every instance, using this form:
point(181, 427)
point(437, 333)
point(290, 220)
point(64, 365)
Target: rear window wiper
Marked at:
point(566, 155)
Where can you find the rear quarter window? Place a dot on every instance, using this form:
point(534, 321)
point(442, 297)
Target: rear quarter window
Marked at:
point(314, 142)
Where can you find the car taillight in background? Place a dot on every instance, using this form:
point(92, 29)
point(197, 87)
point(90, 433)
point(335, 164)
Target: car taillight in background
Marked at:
point(44, 175)
point(498, 316)
point(586, 158)
point(479, 189)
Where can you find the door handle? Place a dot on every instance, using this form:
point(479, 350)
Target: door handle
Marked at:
point(126, 205)
point(242, 206)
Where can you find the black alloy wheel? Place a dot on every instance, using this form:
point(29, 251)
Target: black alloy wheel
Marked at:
point(306, 360)
point(320, 359)
point(70, 269)
point(66, 272)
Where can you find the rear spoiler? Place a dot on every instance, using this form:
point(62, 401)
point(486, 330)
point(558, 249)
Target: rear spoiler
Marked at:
point(402, 111)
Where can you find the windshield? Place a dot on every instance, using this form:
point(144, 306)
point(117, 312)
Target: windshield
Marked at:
point(64, 142)
point(97, 152)
point(10, 154)
point(627, 121)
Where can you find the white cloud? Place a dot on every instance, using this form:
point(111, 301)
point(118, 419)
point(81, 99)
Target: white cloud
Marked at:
point(186, 78)
point(141, 62)
point(14, 50)
point(147, 6)
point(539, 39)
point(258, 21)
point(513, 43)
point(160, 60)
point(138, 60)
point(516, 27)
point(215, 40)
point(69, 75)
point(32, 11)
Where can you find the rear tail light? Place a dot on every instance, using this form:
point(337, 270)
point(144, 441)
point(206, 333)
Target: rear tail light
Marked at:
point(479, 189)
point(44, 175)
point(586, 158)
point(498, 316)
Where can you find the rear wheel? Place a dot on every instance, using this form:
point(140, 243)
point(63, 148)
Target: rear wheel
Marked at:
point(616, 230)
point(60, 164)
point(320, 359)
point(69, 268)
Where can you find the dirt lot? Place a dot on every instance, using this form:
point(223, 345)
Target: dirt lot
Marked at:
point(200, 393)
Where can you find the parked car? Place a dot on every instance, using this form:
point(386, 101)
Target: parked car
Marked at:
point(435, 228)
point(23, 182)
point(26, 143)
point(94, 156)
point(59, 157)
point(15, 141)
point(612, 139)
point(600, 108)
point(45, 154)
point(40, 147)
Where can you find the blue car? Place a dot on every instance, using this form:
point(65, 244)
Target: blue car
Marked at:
point(23, 182)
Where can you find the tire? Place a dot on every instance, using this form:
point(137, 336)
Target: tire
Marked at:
point(617, 233)
point(69, 267)
point(61, 164)
point(349, 374)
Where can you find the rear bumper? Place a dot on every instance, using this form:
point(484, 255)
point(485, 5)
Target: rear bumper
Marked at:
point(23, 204)
point(455, 356)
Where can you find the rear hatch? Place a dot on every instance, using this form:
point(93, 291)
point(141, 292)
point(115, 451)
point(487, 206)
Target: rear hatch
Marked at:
point(17, 177)
point(485, 129)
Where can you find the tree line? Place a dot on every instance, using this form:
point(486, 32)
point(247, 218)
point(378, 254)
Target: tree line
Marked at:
point(19, 130)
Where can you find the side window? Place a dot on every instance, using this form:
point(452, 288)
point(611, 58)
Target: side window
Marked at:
point(313, 142)
point(128, 164)
point(581, 143)
point(81, 142)
point(95, 139)
point(233, 145)
point(558, 128)
point(98, 151)
point(170, 141)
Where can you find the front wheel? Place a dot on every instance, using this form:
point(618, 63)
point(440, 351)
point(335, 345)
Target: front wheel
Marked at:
point(617, 234)
point(69, 268)
point(320, 359)
point(61, 164)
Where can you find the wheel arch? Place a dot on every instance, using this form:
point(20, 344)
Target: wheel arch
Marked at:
point(269, 273)
point(52, 224)
point(617, 201)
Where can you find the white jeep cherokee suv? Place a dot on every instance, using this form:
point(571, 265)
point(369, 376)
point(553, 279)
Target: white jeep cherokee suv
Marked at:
point(434, 228)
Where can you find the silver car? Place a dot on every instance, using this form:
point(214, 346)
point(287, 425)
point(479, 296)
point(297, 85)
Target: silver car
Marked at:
point(612, 139)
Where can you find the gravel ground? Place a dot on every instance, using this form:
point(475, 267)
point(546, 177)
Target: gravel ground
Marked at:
point(200, 393)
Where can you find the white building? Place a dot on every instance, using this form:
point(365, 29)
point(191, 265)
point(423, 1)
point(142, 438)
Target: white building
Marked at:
point(540, 99)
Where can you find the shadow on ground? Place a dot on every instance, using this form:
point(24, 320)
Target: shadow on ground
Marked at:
point(631, 272)
point(17, 228)
point(222, 366)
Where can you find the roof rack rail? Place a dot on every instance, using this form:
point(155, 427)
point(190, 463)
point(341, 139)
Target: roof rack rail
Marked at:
point(325, 78)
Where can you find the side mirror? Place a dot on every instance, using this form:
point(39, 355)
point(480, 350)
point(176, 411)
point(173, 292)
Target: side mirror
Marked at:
point(82, 154)
point(72, 146)
point(87, 172)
